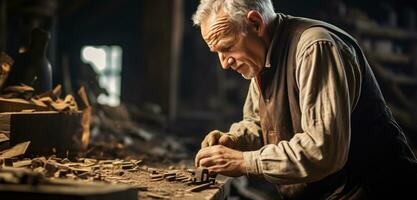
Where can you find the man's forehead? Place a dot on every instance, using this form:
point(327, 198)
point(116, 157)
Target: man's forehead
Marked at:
point(215, 28)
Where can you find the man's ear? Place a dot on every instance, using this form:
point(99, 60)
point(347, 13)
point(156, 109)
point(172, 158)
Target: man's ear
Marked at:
point(256, 22)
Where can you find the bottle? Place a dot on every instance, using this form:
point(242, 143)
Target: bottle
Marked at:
point(32, 67)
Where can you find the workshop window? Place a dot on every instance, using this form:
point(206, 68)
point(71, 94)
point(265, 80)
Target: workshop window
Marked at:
point(107, 62)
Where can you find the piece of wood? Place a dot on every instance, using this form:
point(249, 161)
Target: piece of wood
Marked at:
point(4, 137)
point(158, 196)
point(85, 123)
point(17, 150)
point(46, 130)
point(22, 163)
point(16, 105)
point(5, 65)
point(200, 187)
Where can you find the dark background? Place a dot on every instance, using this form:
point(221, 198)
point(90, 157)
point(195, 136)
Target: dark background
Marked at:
point(166, 63)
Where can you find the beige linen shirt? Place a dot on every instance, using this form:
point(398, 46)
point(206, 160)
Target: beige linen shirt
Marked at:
point(329, 80)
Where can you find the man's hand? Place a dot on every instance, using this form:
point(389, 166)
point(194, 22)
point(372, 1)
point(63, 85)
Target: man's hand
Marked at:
point(216, 137)
point(221, 160)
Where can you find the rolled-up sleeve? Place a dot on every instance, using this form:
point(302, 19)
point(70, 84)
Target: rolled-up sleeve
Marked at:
point(248, 130)
point(327, 95)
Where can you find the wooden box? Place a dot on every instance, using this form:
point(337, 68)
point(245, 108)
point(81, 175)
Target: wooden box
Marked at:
point(50, 132)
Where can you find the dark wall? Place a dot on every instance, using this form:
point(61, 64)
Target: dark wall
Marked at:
point(106, 22)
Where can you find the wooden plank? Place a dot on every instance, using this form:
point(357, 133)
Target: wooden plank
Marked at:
point(16, 105)
point(176, 52)
point(5, 125)
point(4, 137)
point(157, 20)
point(17, 150)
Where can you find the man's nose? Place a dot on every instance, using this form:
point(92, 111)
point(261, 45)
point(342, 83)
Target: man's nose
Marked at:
point(225, 61)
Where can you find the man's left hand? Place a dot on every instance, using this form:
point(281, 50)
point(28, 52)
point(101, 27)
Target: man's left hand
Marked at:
point(221, 160)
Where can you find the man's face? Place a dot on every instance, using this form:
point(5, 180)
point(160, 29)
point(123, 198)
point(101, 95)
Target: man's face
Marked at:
point(243, 52)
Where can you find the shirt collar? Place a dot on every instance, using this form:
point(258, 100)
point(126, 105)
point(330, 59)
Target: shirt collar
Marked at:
point(278, 20)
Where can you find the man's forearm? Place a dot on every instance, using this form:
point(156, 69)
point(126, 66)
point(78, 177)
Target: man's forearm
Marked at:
point(247, 134)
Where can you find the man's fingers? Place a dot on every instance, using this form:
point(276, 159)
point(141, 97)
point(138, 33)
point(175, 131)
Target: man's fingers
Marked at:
point(226, 140)
point(204, 144)
point(203, 153)
point(211, 139)
point(210, 161)
point(211, 151)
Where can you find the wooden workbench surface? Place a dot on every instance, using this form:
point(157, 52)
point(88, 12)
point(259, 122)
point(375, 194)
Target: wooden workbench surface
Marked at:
point(176, 190)
point(150, 189)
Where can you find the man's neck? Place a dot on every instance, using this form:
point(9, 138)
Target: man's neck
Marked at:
point(270, 28)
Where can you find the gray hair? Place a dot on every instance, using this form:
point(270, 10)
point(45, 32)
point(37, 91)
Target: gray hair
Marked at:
point(235, 9)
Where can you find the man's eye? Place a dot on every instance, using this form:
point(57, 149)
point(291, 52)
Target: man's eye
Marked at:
point(226, 49)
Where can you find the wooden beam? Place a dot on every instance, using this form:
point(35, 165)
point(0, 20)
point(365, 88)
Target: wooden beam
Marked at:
point(157, 35)
point(176, 52)
point(3, 25)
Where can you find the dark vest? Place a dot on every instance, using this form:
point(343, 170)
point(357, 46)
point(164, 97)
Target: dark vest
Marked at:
point(380, 160)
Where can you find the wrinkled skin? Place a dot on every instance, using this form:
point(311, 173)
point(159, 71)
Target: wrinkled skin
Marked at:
point(217, 137)
point(244, 52)
point(220, 159)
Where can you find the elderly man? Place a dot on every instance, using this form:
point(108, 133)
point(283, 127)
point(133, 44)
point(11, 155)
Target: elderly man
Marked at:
point(315, 122)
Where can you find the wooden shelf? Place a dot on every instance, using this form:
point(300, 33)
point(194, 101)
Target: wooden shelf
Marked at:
point(391, 58)
point(369, 28)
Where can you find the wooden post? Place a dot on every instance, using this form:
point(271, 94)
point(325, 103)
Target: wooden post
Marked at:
point(176, 51)
point(3, 25)
point(162, 39)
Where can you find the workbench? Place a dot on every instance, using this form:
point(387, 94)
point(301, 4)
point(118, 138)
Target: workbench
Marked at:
point(59, 178)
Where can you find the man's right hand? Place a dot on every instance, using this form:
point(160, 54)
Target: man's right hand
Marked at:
point(219, 138)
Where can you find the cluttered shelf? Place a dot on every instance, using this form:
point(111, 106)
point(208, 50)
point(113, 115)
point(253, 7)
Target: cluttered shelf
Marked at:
point(372, 29)
point(391, 58)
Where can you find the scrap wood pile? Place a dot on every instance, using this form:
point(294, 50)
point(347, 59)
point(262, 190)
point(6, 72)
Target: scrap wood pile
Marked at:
point(151, 182)
point(22, 97)
point(20, 102)
point(130, 131)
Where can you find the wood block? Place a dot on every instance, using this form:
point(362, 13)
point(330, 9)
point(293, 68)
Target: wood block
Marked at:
point(46, 130)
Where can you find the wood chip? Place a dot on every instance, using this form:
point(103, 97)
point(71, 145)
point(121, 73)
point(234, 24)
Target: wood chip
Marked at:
point(3, 137)
point(152, 170)
point(169, 174)
point(200, 187)
point(154, 176)
point(187, 180)
point(170, 178)
point(153, 195)
point(17, 150)
point(181, 178)
point(19, 88)
point(22, 163)
point(57, 91)
point(157, 179)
